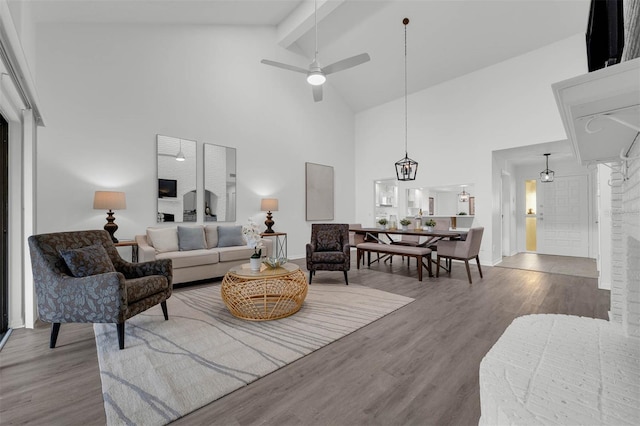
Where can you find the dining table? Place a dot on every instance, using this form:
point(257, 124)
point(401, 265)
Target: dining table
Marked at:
point(432, 236)
point(383, 236)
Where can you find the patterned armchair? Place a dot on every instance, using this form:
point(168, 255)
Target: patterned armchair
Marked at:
point(80, 277)
point(329, 249)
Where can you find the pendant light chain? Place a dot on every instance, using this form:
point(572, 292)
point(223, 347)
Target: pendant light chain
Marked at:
point(406, 120)
point(406, 168)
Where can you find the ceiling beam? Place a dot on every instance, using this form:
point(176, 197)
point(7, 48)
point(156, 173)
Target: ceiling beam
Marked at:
point(301, 20)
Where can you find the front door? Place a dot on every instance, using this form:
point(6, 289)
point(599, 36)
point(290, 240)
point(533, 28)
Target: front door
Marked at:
point(563, 217)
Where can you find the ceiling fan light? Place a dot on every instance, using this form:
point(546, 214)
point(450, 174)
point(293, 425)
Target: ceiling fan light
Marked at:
point(316, 78)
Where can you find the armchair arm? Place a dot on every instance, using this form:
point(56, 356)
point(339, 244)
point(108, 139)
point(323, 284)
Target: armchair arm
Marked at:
point(96, 298)
point(310, 247)
point(154, 267)
point(346, 249)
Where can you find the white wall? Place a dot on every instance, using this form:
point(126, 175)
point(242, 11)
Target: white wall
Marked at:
point(109, 89)
point(454, 127)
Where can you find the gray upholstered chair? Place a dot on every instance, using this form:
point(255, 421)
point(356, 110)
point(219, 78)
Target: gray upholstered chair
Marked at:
point(329, 249)
point(80, 277)
point(461, 250)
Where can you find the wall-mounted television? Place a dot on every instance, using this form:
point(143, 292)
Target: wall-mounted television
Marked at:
point(167, 188)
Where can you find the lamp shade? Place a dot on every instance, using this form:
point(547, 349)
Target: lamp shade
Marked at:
point(109, 200)
point(269, 205)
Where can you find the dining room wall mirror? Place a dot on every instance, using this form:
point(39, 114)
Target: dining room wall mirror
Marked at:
point(177, 190)
point(219, 183)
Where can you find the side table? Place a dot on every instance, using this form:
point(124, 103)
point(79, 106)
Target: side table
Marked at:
point(133, 245)
point(280, 241)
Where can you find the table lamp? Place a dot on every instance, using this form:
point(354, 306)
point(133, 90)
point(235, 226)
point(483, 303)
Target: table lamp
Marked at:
point(110, 200)
point(268, 205)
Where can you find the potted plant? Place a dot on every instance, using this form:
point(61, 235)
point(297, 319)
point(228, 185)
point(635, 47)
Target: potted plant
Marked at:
point(383, 223)
point(430, 224)
point(405, 223)
point(252, 236)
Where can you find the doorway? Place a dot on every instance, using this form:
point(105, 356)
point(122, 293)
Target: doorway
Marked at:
point(4, 225)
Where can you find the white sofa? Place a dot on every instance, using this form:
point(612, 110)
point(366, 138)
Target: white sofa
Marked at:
point(198, 252)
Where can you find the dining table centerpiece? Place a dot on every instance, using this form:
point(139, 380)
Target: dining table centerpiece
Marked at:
point(405, 224)
point(429, 225)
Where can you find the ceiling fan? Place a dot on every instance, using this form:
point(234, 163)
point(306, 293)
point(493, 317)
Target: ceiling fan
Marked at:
point(316, 75)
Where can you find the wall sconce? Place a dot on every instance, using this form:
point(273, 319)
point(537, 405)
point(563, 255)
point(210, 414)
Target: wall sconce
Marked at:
point(110, 200)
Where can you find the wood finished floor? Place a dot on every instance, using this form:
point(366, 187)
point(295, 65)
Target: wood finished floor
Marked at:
point(416, 366)
point(567, 265)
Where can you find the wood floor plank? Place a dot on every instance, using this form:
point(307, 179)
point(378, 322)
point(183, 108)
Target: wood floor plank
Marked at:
point(418, 365)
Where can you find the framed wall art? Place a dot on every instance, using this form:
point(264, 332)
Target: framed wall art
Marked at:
point(319, 191)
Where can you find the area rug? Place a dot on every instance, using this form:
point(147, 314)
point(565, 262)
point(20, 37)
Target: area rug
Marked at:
point(171, 368)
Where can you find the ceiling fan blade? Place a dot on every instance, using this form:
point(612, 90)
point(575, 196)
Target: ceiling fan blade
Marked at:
point(317, 93)
point(346, 63)
point(285, 66)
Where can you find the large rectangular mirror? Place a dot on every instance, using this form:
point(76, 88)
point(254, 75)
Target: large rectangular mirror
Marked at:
point(219, 183)
point(177, 196)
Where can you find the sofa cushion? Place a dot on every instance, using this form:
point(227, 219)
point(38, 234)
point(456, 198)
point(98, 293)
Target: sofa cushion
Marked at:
point(185, 259)
point(211, 234)
point(328, 240)
point(191, 238)
point(86, 261)
point(163, 239)
point(235, 253)
point(230, 236)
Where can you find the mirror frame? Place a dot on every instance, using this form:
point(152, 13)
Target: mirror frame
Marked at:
point(183, 173)
point(220, 183)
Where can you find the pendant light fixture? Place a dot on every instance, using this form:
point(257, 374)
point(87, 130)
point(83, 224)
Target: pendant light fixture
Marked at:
point(463, 197)
point(546, 175)
point(180, 155)
point(406, 168)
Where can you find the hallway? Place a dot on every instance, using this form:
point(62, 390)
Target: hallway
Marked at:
point(565, 265)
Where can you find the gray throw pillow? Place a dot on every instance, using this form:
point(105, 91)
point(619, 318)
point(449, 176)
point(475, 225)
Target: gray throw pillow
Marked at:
point(191, 238)
point(86, 261)
point(229, 236)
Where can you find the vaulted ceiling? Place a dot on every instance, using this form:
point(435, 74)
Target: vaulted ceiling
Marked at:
point(446, 38)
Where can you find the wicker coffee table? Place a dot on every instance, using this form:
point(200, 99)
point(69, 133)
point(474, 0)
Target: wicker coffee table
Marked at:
point(269, 294)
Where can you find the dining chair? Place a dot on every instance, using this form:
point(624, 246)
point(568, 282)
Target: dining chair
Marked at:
point(461, 250)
